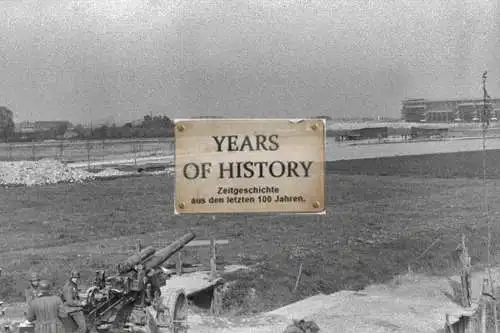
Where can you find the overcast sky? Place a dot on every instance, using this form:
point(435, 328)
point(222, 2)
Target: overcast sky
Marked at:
point(82, 60)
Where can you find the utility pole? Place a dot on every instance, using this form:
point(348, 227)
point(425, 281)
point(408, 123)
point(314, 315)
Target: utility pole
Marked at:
point(485, 124)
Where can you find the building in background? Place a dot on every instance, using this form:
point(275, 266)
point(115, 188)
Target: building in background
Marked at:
point(7, 126)
point(446, 111)
point(5, 115)
point(41, 126)
point(25, 127)
point(41, 130)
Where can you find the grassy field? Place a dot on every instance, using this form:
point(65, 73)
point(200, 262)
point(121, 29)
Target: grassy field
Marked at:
point(375, 227)
point(445, 165)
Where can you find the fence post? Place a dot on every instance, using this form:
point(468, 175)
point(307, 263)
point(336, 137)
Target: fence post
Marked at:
point(134, 150)
point(61, 150)
point(89, 148)
point(103, 148)
point(298, 279)
point(216, 306)
point(213, 250)
point(483, 304)
point(465, 274)
point(9, 147)
point(494, 304)
point(33, 150)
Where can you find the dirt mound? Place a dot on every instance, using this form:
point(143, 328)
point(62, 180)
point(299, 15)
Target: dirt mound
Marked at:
point(31, 173)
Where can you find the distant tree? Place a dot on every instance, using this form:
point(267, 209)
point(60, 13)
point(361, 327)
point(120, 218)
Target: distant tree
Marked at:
point(167, 122)
point(139, 132)
point(157, 122)
point(124, 132)
point(80, 130)
point(7, 126)
point(113, 131)
point(102, 132)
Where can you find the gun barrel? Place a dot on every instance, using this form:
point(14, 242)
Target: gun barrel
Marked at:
point(136, 259)
point(165, 253)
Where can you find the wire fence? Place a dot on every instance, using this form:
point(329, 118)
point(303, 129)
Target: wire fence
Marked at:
point(86, 150)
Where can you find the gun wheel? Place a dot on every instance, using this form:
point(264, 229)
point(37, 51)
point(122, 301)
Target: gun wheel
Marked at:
point(174, 310)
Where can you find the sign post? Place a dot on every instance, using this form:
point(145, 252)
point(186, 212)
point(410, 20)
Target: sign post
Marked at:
point(249, 166)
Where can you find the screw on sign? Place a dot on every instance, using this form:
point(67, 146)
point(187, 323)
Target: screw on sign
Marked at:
point(249, 165)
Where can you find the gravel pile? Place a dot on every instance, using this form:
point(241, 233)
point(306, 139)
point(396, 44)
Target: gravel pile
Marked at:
point(43, 172)
point(110, 172)
point(167, 171)
point(31, 173)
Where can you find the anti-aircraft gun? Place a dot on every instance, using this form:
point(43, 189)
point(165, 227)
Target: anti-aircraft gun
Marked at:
point(132, 299)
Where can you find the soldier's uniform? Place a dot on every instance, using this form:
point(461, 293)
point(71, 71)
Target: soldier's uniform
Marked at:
point(293, 329)
point(45, 311)
point(32, 292)
point(73, 304)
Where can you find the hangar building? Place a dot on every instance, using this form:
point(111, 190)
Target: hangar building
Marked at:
point(451, 110)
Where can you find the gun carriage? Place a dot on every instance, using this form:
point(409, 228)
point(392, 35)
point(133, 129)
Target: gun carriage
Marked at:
point(137, 298)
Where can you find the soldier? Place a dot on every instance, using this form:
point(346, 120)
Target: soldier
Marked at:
point(32, 291)
point(72, 302)
point(46, 311)
point(302, 326)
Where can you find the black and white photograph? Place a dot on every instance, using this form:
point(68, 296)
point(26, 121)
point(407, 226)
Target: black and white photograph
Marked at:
point(249, 166)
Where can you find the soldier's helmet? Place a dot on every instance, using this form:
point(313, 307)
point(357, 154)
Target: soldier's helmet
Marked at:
point(44, 286)
point(311, 326)
point(75, 274)
point(34, 277)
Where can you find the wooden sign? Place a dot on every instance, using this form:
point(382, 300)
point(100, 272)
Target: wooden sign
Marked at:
point(249, 165)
